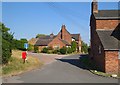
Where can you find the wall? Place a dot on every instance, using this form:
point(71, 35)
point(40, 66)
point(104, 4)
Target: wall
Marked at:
point(55, 42)
point(111, 61)
point(106, 24)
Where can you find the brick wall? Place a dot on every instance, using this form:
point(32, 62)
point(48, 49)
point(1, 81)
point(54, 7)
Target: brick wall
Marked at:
point(98, 58)
point(56, 42)
point(65, 35)
point(40, 48)
point(106, 24)
point(111, 61)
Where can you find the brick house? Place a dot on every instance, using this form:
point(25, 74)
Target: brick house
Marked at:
point(105, 39)
point(63, 38)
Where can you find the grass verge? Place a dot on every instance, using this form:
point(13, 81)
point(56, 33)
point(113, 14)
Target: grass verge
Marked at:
point(16, 66)
point(92, 68)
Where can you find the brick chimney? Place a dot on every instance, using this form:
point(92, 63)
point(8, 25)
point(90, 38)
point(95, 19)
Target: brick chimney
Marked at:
point(51, 35)
point(63, 32)
point(94, 6)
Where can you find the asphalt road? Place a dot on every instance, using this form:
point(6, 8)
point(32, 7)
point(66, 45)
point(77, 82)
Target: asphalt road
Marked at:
point(65, 70)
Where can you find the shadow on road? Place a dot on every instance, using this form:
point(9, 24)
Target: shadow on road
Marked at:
point(77, 62)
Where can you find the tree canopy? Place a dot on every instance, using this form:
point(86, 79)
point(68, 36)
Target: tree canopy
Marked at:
point(39, 35)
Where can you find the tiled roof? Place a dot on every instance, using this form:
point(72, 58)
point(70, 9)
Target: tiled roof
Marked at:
point(75, 36)
point(65, 42)
point(44, 40)
point(108, 41)
point(107, 14)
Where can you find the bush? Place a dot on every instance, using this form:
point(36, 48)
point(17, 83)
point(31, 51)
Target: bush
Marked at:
point(31, 47)
point(6, 51)
point(36, 49)
point(56, 51)
point(74, 46)
point(45, 50)
point(63, 50)
point(69, 50)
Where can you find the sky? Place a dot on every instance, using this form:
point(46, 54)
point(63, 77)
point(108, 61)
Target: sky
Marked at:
point(27, 19)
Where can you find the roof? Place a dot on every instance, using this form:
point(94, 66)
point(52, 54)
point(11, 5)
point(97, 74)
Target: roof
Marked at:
point(75, 36)
point(107, 14)
point(65, 42)
point(108, 41)
point(44, 40)
point(32, 41)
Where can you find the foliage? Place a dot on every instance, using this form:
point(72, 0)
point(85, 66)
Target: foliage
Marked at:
point(56, 51)
point(19, 44)
point(69, 50)
point(45, 50)
point(36, 49)
point(63, 50)
point(31, 47)
point(73, 46)
point(15, 65)
point(40, 35)
point(6, 43)
point(84, 47)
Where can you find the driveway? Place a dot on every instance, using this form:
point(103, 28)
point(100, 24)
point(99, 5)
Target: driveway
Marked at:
point(61, 70)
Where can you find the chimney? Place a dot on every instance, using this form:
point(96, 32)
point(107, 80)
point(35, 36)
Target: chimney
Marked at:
point(94, 6)
point(51, 35)
point(63, 32)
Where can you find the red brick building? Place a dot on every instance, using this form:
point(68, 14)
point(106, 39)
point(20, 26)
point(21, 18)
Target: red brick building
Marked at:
point(63, 38)
point(105, 38)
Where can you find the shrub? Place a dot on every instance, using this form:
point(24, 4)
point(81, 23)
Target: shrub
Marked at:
point(56, 51)
point(31, 47)
point(45, 50)
point(63, 50)
point(6, 51)
point(69, 50)
point(36, 49)
point(74, 46)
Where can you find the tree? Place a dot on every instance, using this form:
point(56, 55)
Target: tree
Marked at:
point(73, 46)
point(40, 35)
point(6, 43)
point(85, 47)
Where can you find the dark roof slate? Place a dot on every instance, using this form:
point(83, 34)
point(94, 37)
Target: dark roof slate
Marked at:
point(44, 40)
point(107, 14)
point(108, 41)
point(65, 42)
point(75, 36)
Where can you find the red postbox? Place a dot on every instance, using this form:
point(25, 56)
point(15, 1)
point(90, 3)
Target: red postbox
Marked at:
point(24, 54)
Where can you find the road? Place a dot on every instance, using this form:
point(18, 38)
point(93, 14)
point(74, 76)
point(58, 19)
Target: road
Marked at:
point(62, 70)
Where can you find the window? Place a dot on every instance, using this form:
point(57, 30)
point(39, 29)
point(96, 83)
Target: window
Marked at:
point(99, 49)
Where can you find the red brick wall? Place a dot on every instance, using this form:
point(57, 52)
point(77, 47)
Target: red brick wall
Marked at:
point(64, 34)
point(98, 58)
point(40, 48)
point(55, 42)
point(106, 24)
point(111, 61)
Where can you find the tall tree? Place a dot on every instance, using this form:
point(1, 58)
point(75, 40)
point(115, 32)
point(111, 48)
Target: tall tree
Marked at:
point(6, 43)
point(85, 47)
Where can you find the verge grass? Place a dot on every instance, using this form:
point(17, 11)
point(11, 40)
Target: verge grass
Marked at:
point(16, 66)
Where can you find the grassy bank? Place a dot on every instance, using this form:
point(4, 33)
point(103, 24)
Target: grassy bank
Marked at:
point(16, 66)
point(92, 67)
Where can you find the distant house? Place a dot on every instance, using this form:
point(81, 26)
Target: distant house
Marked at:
point(32, 41)
point(63, 38)
point(105, 38)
